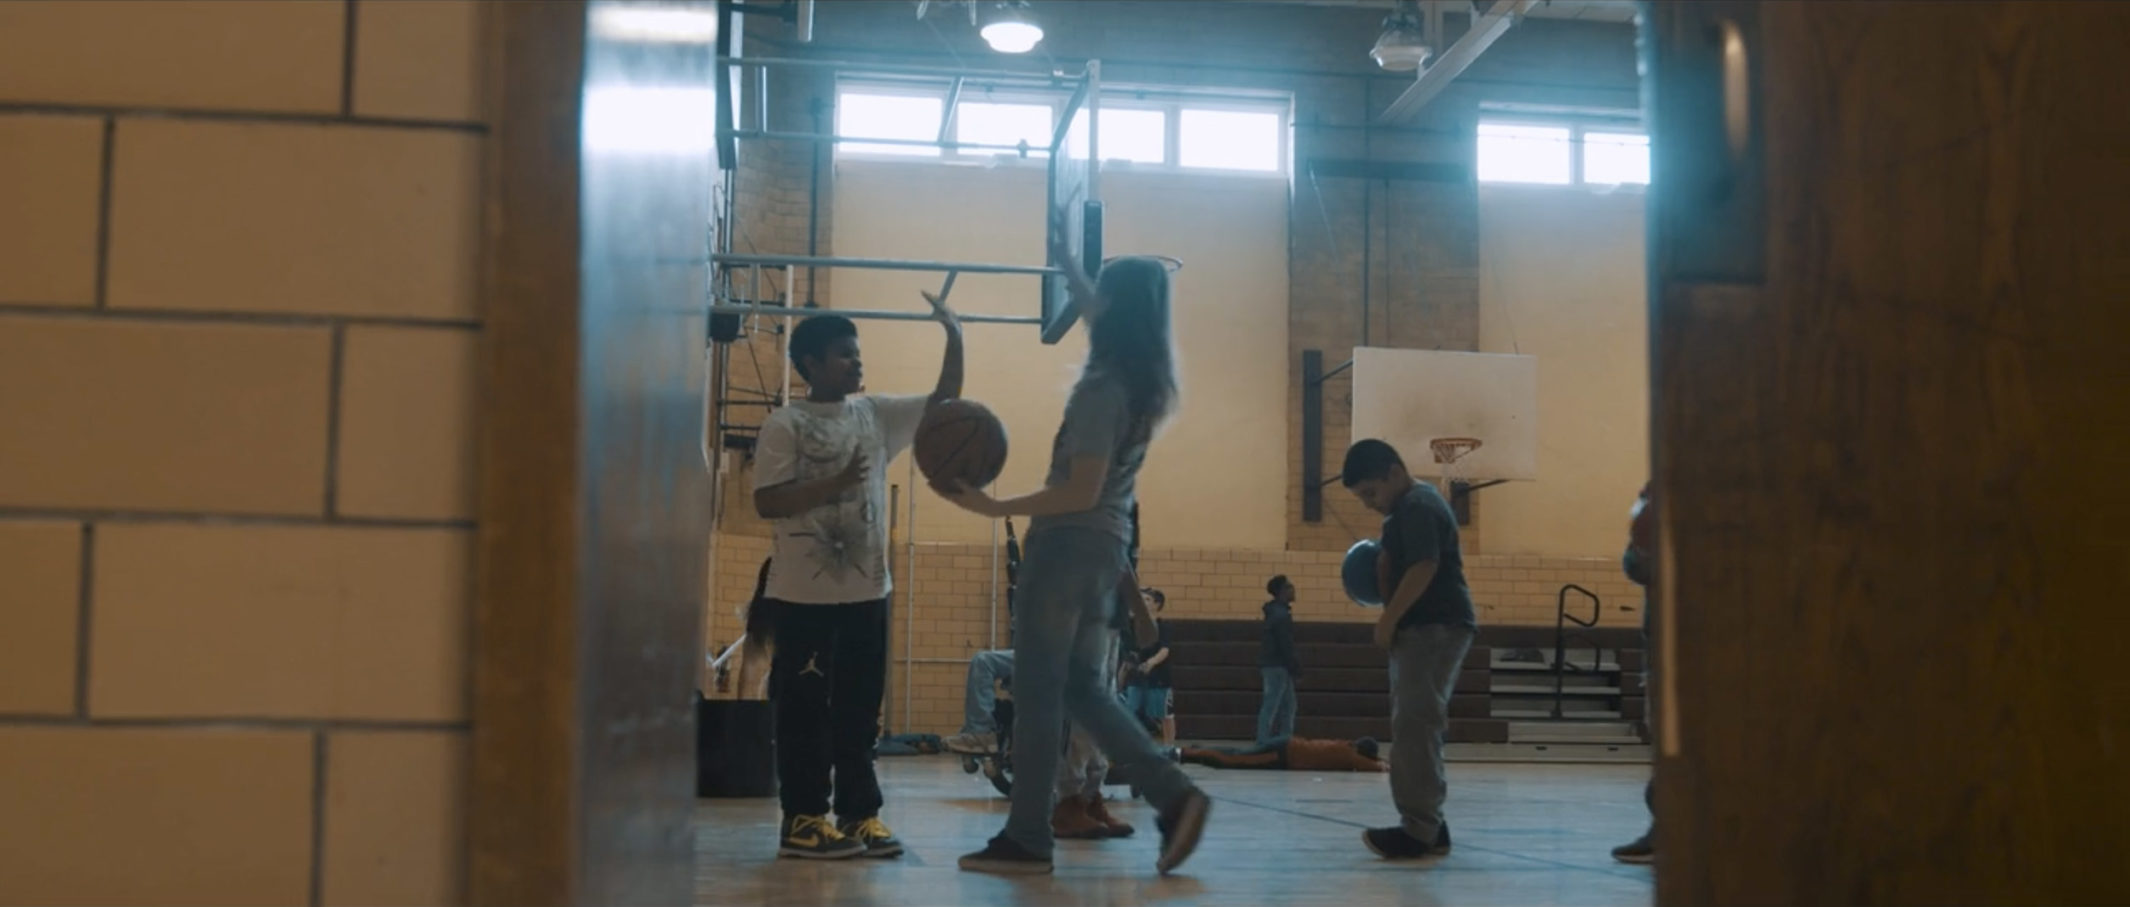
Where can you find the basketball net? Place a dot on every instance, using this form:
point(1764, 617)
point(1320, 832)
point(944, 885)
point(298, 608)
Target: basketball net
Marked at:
point(1449, 452)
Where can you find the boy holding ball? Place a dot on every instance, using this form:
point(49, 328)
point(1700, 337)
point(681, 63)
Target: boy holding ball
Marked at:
point(1427, 625)
point(819, 466)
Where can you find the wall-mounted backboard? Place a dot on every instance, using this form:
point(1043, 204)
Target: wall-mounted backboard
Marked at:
point(1409, 397)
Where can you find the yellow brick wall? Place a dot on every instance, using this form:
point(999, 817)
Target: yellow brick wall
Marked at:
point(954, 594)
point(239, 321)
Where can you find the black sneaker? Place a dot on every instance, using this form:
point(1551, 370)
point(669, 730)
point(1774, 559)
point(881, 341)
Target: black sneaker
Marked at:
point(1001, 856)
point(1640, 851)
point(813, 838)
point(1181, 825)
point(1395, 843)
point(874, 834)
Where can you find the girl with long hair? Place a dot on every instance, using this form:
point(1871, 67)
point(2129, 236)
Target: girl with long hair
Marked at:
point(1077, 562)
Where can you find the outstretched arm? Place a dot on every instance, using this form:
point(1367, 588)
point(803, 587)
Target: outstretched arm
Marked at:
point(1078, 493)
point(950, 363)
point(1096, 421)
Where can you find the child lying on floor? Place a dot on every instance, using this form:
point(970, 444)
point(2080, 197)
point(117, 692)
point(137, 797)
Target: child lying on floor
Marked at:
point(1293, 754)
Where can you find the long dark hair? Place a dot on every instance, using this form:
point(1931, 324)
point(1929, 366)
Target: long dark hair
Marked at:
point(1132, 339)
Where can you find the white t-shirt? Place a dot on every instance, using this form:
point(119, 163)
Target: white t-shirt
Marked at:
point(836, 553)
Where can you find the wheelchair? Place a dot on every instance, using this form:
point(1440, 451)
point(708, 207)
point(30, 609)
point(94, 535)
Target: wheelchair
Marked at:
point(997, 765)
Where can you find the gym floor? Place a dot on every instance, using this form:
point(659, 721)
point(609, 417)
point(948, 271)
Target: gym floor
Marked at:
point(1525, 834)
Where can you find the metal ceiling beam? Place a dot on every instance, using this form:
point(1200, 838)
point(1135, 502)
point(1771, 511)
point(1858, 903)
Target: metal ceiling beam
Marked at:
point(1485, 30)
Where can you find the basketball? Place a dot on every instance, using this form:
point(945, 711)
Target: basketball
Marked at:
point(1358, 573)
point(960, 440)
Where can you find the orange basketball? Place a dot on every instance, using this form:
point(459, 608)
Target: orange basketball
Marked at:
point(960, 440)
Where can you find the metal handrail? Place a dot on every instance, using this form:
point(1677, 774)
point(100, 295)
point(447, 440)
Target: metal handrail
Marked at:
point(1561, 619)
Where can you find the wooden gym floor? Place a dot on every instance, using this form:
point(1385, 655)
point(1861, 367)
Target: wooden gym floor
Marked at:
point(1525, 834)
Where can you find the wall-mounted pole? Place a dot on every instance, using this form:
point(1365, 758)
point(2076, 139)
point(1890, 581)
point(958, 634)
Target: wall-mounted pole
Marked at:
point(1312, 436)
point(1313, 481)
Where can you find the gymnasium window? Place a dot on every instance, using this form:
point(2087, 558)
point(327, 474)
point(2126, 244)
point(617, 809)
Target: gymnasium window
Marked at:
point(1134, 135)
point(889, 116)
point(1612, 158)
point(1005, 124)
point(1563, 152)
point(1139, 128)
point(1230, 139)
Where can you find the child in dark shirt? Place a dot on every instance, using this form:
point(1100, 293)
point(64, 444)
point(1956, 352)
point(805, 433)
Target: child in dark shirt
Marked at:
point(1148, 686)
point(1277, 664)
point(1427, 625)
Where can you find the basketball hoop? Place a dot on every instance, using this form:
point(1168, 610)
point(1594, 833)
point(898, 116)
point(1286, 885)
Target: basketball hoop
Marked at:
point(1448, 452)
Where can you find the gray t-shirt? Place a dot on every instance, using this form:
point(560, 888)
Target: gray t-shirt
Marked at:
point(1098, 422)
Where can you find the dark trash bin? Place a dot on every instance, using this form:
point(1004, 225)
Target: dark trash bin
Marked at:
point(735, 748)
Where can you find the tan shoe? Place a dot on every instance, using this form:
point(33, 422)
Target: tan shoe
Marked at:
point(1098, 810)
point(1070, 821)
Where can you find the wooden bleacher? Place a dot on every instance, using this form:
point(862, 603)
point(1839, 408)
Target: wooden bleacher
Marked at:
point(1345, 683)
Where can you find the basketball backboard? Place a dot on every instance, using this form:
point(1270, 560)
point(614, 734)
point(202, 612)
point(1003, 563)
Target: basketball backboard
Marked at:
point(1075, 194)
point(1411, 397)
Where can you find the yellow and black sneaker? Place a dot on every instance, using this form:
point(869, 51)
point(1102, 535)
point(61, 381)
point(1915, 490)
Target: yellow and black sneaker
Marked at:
point(874, 834)
point(813, 838)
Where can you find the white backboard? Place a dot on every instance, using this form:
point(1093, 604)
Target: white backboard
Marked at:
point(1408, 397)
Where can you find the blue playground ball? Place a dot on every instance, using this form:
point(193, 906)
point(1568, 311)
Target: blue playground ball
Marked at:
point(1359, 574)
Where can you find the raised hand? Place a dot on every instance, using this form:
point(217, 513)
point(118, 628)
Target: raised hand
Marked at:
point(940, 310)
point(1062, 255)
point(1060, 241)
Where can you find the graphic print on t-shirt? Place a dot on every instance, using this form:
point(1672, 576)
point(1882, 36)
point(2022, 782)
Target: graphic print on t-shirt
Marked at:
point(834, 553)
point(843, 537)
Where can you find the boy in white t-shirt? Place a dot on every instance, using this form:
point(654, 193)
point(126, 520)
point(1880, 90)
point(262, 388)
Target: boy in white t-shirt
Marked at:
point(819, 467)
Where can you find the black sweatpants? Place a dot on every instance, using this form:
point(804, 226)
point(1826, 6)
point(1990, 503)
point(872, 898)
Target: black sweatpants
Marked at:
point(827, 678)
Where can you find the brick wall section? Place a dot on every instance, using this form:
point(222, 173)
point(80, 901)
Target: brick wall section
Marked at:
point(239, 322)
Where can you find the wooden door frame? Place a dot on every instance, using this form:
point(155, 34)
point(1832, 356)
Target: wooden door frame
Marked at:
point(522, 796)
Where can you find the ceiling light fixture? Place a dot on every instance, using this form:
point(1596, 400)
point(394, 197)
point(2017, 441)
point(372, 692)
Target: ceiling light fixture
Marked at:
point(1011, 29)
point(1406, 42)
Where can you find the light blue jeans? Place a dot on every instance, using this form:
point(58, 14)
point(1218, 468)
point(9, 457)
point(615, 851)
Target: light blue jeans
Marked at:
point(1062, 642)
point(1275, 711)
point(985, 669)
point(1084, 768)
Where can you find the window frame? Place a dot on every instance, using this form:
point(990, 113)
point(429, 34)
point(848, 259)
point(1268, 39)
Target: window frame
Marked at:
point(1577, 126)
point(1169, 101)
point(1283, 130)
point(887, 89)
